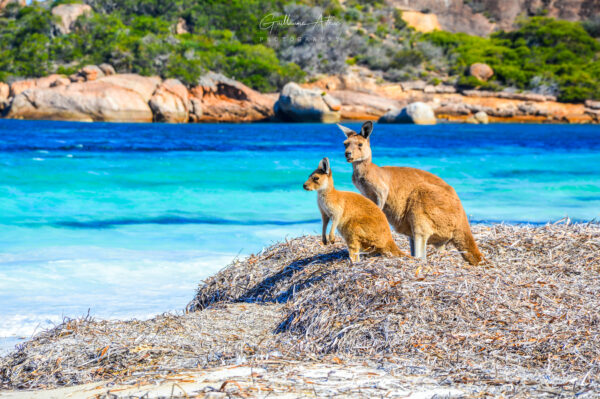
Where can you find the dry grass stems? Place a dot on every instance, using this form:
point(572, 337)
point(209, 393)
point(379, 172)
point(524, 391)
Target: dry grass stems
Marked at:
point(526, 322)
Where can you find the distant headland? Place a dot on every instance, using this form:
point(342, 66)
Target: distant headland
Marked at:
point(198, 61)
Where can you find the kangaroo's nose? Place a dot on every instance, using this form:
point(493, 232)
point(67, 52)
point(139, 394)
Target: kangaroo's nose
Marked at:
point(304, 186)
point(348, 154)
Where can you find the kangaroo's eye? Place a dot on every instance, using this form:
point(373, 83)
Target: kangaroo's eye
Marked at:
point(360, 146)
point(315, 179)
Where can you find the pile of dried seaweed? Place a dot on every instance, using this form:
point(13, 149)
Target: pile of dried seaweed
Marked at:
point(533, 310)
point(530, 315)
point(85, 350)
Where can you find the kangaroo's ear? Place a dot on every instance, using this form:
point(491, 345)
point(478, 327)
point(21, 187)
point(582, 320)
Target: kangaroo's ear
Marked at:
point(347, 131)
point(324, 166)
point(367, 129)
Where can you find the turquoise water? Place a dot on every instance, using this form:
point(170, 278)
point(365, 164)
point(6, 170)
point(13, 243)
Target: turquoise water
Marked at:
point(126, 219)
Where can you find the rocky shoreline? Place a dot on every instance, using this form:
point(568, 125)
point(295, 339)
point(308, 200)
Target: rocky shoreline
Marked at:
point(98, 93)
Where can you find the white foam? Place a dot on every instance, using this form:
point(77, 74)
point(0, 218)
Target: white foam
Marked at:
point(39, 290)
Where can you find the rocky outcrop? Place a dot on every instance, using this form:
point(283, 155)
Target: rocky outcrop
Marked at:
point(107, 69)
point(89, 101)
point(298, 104)
point(418, 113)
point(217, 98)
point(482, 17)
point(356, 79)
point(509, 95)
point(479, 118)
point(363, 106)
point(351, 96)
point(500, 109)
point(481, 71)
point(41, 83)
point(67, 15)
point(421, 22)
point(91, 72)
point(144, 86)
point(181, 27)
point(170, 102)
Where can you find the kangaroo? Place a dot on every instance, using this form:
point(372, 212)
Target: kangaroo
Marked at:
point(360, 222)
point(417, 203)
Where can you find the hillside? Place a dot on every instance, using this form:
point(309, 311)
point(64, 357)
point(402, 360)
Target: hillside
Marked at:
point(296, 41)
point(482, 17)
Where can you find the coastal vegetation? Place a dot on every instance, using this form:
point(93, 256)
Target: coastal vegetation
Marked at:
point(183, 39)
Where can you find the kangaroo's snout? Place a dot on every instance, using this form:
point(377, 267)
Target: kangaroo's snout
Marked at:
point(304, 186)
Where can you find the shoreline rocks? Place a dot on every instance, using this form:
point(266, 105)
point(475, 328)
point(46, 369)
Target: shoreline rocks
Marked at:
point(169, 103)
point(297, 104)
point(417, 113)
point(217, 98)
point(354, 95)
point(85, 102)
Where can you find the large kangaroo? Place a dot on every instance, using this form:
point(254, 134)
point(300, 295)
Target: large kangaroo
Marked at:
point(416, 203)
point(362, 225)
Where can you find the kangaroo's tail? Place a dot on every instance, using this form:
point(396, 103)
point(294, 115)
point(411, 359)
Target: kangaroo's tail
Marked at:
point(465, 243)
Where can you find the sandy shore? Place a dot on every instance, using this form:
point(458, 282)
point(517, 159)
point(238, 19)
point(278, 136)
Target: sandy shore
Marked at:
point(298, 320)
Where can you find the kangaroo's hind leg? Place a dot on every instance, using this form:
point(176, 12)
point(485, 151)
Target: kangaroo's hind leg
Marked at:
point(420, 245)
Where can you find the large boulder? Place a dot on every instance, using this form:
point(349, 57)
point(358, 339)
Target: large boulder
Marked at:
point(67, 15)
point(41, 83)
point(217, 98)
point(91, 72)
point(481, 71)
point(418, 113)
point(421, 22)
point(145, 86)
point(170, 102)
point(107, 69)
point(307, 105)
point(89, 101)
point(480, 117)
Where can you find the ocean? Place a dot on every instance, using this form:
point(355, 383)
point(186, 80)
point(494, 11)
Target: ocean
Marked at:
point(124, 220)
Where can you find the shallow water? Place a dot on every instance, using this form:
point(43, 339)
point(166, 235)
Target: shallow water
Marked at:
point(126, 219)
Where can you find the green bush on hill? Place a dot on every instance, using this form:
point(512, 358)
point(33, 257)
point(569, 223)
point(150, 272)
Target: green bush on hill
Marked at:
point(144, 44)
point(542, 51)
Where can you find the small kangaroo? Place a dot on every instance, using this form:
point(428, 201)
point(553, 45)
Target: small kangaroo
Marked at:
point(416, 203)
point(360, 222)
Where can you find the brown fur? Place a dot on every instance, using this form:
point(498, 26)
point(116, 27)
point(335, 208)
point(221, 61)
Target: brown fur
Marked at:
point(416, 203)
point(360, 222)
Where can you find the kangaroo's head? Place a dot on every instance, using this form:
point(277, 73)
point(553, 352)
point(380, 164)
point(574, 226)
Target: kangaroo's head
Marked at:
point(358, 147)
point(321, 178)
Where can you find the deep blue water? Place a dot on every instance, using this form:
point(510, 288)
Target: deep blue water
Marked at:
point(126, 219)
